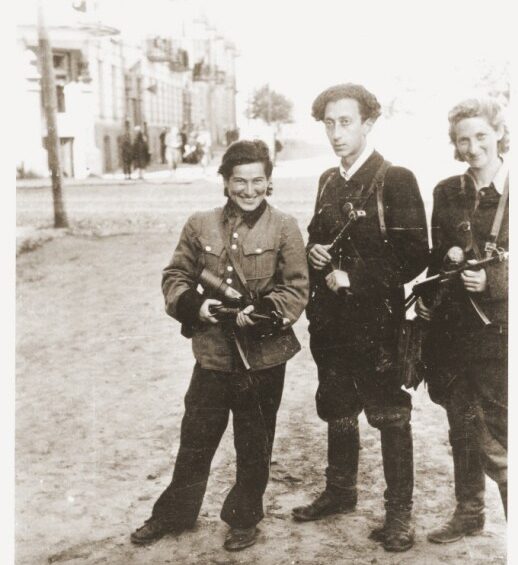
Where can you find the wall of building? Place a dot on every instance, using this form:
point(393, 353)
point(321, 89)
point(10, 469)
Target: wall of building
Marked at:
point(110, 83)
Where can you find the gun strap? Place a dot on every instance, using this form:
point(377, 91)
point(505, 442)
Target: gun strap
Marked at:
point(497, 221)
point(321, 191)
point(235, 264)
point(379, 180)
point(242, 279)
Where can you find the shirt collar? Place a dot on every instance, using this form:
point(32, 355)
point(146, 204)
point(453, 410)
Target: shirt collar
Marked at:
point(362, 157)
point(498, 180)
point(232, 211)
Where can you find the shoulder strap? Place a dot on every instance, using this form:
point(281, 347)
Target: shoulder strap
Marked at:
point(497, 221)
point(321, 190)
point(379, 182)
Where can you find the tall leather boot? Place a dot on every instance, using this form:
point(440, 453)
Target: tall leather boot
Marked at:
point(397, 533)
point(340, 494)
point(468, 517)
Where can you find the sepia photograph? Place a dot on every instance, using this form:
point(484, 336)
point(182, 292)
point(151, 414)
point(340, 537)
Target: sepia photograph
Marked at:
point(260, 293)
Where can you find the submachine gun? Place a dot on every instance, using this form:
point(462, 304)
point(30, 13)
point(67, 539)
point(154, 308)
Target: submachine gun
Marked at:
point(267, 324)
point(433, 289)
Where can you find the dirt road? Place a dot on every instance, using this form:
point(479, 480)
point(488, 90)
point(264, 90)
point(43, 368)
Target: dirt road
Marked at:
point(101, 374)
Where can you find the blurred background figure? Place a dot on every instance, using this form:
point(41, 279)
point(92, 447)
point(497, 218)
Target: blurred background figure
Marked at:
point(163, 146)
point(141, 153)
point(193, 150)
point(204, 140)
point(173, 142)
point(126, 154)
point(183, 134)
point(231, 135)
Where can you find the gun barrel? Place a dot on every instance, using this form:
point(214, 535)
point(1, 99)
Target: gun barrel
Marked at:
point(210, 280)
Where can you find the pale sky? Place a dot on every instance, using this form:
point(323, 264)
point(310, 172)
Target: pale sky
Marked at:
point(425, 54)
point(301, 47)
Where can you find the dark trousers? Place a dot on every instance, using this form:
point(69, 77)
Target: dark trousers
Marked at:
point(474, 395)
point(126, 167)
point(254, 398)
point(348, 384)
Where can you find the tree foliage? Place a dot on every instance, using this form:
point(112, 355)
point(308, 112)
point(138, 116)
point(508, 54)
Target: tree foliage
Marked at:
point(270, 106)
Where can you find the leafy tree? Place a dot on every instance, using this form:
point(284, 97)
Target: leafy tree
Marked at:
point(270, 106)
point(495, 79)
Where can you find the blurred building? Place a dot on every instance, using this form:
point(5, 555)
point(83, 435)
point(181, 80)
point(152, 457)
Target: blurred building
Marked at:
point(107, 83)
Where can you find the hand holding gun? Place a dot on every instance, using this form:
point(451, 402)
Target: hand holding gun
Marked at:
point(237, 309)
point(430, 291)
point(320, 256)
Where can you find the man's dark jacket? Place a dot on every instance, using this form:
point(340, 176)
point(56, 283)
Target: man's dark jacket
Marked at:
point(377, 267)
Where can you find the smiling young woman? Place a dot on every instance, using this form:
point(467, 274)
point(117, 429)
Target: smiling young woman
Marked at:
point(467, 359)
point(253, 250)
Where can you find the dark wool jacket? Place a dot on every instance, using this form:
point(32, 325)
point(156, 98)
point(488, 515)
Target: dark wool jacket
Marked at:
point(377, 269)
point(455, 326)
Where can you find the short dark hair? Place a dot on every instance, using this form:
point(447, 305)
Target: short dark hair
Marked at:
point(243, 152)
point(369, 106)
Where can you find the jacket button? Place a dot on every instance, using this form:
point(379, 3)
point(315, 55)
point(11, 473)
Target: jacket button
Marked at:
point(258, 250)
point(235, 235)
point(208, 248)
point(229, 269)
point(229, 281)
point(233, 247)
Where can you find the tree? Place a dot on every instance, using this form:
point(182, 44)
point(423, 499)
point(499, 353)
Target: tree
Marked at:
point(495, 80)
point(270, 106)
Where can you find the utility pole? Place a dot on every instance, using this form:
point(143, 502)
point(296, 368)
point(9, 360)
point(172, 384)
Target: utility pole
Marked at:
point(48, 89)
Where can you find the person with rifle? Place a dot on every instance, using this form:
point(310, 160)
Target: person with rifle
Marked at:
point(465, 352)
point(367, 238)
point(250, 260)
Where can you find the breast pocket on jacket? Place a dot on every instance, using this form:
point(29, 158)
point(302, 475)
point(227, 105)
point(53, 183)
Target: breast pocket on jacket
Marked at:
point(212, 255)
point(259, 259)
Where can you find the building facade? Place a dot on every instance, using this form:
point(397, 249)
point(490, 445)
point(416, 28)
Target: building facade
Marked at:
point(108, 83)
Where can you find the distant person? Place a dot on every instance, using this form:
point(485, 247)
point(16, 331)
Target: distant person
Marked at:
point(240, 361)
point(141, 155)
point(126, 154)
point(231, 135)
point(163, 145)
point(466, 353)
point(173, 143)
point(193, 150)
point(184, 134)
point(356, 306)
point(204, 139)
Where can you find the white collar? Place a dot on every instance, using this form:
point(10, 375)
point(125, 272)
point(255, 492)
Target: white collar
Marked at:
point(499, 178)
point(368, 150)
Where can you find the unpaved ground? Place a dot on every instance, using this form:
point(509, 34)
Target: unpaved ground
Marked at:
point(101, 374)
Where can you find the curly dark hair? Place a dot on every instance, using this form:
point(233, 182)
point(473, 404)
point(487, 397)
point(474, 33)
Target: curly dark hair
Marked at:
point(369, 106)
point(243, 152)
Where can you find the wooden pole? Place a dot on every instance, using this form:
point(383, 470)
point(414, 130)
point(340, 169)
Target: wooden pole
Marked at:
point(48, 88)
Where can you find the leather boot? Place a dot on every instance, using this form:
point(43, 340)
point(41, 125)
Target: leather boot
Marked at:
point(464, 522)
point(340, 495)
point(397, 533)
point(468, 517)
point(152, 530)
